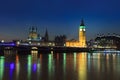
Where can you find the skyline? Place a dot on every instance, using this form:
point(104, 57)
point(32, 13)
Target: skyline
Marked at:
point(59, 17)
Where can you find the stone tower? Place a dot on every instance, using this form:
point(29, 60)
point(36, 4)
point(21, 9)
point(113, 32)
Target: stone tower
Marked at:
point(82, 34)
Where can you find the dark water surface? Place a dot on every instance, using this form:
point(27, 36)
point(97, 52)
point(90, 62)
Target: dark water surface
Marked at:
point(60, 66)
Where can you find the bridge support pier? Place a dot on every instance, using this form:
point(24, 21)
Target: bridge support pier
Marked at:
point(1, 51)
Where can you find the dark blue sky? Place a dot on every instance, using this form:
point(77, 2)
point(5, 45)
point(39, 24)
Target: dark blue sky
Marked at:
point(59, 17)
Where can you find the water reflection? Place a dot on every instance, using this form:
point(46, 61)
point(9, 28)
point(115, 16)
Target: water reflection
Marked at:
point(38, 68)
point(29, 66)
point(98, 62)
point(74, 62)
point(63, 66)
point(1, 67)
point(17, 67)
point(34, 60)
point(49, 64)
point(12, 67)
point(82, 66)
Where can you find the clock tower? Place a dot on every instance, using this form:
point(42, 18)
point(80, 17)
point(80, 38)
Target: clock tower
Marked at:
point(82, 34)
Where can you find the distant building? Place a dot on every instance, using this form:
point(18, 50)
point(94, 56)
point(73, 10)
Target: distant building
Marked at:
point(82, 38)
point(105, 42)
point(33, 35)
point(60, 40)
point(35, 39)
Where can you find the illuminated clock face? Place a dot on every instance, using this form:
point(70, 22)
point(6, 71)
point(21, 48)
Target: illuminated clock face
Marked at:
point(80, 29)
point(83, 29)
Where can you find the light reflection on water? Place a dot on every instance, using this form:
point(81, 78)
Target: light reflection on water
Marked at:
point(1, 67)
point(61, 66)
point(17, 67)
point(82, 66)
point(29, 66)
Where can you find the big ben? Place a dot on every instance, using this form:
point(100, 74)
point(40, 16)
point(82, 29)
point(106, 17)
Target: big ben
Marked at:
point(82, 34)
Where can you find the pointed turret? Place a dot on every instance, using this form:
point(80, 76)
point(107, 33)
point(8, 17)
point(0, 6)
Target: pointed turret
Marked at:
point(82, 26)
point(33, 28)
point(46, 35)
point(33, 33)
point(36, 29)
point(82, 23)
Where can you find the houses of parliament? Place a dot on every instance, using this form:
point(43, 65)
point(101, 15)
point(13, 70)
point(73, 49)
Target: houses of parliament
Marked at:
point(82, 38)
point(61, 41)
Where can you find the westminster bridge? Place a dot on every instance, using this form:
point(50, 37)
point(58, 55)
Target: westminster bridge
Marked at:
point(25, 49)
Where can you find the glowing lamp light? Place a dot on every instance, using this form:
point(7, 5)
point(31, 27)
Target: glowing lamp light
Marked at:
point(50, 44)
point(18, 42)
point(30, 42)
point(2, 41)
point(38, 43)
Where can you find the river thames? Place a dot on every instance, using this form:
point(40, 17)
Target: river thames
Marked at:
point(60, 66)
